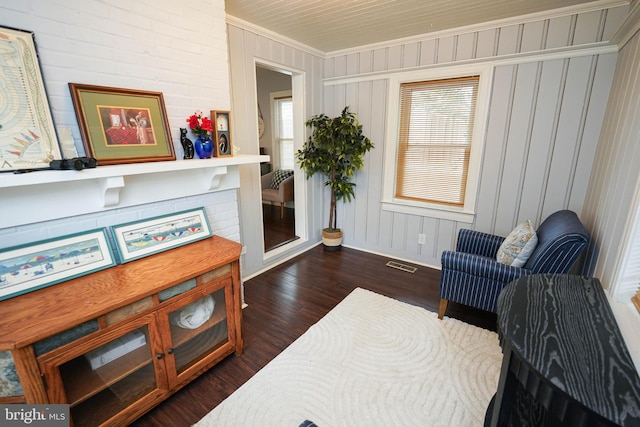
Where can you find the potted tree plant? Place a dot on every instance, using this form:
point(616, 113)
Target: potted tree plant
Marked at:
point(336, 149)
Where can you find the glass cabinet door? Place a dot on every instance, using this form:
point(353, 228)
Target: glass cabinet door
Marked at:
point(197, 329)
point(109, 378)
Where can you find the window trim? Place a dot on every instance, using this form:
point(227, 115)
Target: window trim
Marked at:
point(467, 212)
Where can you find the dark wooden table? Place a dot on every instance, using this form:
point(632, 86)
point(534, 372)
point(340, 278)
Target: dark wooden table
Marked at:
point(565, 361)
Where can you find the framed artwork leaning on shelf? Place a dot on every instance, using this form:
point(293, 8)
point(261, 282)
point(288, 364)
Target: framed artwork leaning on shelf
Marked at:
point(32, 266)
point(146, 237)
point(222, 133)
point(122, 125)
point(28, 138)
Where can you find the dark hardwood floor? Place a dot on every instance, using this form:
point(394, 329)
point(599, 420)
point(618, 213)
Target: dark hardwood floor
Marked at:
point(277, 230)
point(284, 302)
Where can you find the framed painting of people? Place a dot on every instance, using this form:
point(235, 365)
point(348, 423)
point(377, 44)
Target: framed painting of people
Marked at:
point(122, 125)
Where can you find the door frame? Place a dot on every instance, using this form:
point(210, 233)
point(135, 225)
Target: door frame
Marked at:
point(299, 132)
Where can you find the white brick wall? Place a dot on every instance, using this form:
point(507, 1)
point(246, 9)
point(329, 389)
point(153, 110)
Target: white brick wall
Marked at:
point(177, 48)
point(221, 208)
point(174, 47)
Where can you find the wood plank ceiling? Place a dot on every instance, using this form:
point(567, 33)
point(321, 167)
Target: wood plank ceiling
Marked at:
point(333, 25)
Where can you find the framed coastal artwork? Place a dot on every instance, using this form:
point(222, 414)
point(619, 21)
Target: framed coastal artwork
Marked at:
point(122, 125)
point(28, 137)
point(221, 133)
point(26, 268)
point(146, 237)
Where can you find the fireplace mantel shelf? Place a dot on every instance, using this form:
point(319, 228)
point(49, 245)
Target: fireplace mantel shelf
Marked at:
point(52, 194)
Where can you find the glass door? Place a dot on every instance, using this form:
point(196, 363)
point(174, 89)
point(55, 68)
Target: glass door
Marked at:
point(199, 330)
point(104, 376)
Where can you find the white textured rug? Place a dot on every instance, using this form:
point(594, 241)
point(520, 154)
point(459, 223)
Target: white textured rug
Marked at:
point(372, 361)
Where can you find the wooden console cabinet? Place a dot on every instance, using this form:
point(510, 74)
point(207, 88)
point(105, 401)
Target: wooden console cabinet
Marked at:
point(115, 343)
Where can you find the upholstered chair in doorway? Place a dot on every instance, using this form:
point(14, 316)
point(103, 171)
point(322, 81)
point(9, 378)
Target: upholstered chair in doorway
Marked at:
point(483, 264)
point(277, 186)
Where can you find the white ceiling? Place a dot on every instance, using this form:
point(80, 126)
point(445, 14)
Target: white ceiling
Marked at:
point(332, 25)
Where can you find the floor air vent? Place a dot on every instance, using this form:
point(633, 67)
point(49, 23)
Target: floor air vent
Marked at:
point(402, 267)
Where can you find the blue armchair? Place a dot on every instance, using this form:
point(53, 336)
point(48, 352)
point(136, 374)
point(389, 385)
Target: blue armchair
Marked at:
point(472, 276)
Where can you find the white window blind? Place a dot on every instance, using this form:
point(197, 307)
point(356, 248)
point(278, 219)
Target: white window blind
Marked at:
point(284, 132)
point(434, 141)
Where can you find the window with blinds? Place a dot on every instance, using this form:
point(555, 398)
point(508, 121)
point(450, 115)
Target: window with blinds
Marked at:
point(434, 140)
point(284, 131)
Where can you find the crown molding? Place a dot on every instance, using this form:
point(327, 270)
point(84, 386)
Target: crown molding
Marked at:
point(630, 26)
point(521, 19)
point(600, 48)
point(245, 25)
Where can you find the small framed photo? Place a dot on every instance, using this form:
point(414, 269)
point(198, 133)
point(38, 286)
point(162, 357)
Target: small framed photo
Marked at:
point(26, 268)
point(139, 239)
point(28, 139)
point(122, 125)
point(222, 133)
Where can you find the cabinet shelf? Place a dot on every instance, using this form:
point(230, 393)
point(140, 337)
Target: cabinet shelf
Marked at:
point(181, 335)
point(81, 382)
point(190, 351)
point(118, 397)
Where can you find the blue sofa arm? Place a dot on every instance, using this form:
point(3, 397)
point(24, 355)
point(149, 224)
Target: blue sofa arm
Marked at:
point(481, 267)
point(478, 243)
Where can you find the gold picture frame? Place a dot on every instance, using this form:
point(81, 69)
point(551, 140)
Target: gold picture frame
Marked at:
point(223, 144)
point(122, 125)
point(28, 139)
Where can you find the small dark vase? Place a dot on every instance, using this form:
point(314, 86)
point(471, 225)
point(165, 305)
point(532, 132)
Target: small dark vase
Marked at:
point(203, 146)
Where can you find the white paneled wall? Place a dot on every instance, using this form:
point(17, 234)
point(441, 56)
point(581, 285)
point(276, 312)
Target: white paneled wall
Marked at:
point(551, 84)
point(612, 207)
point(612, 203)
point(246, 47)
point(175, 48)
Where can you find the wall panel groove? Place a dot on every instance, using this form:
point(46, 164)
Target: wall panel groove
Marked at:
point(581, 128)
point(572, 29)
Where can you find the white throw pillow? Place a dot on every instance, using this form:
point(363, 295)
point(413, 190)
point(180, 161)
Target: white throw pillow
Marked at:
point(518, 246)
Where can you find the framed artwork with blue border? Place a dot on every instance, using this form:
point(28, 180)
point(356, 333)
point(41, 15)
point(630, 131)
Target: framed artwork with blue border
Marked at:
point(33, 266)
point(146, 237)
